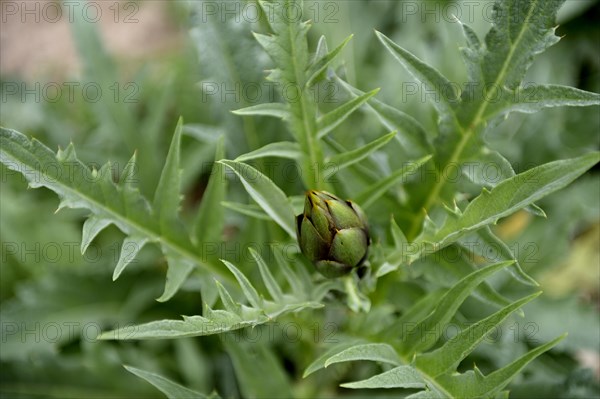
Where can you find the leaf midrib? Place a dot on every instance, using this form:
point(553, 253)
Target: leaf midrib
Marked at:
point(308, 132)
point(467, 134)
point(154, 236)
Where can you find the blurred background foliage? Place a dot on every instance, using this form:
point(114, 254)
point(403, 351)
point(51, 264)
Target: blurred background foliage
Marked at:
point(54, 301)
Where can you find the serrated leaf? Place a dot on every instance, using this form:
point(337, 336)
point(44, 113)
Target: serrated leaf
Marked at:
point(319, 362)
point(167, 195)
point(130, 248)
point(269, 280)
point(292, 278)
point(333, 119)
point(251, 210)
point(415, 314)
point(505, 253)
point(248, 289)
point(451, 267)
point(129, 177)
point(230, 305)
point(276, 110)
point(447, 357)
point(372, 193)
point(520, 30)
point(288, 47)
point(510, 196)
point(487, 168)
point(474, 384)
point(534, 98)
point(215, 322)
point(321, 63)
point(282, 149)
point(208, 223)
point(91, 227)
point(266, 194)
point(346, 159)
point(412, 135)
point(397, 234)
point(171, 389)
point(178, 269)
point(430, 76)
point(374, 352)
point(426, 333)
point(80, 187)
point(399, 377)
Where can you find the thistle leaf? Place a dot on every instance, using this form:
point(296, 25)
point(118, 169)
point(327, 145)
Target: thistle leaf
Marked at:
point(333, 119)
point(282, 149)
point(399, 377)
point(171, 389)
point(346, 159)
point(266, 194)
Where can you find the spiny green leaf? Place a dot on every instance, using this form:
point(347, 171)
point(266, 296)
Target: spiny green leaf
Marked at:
point(415, 314)
point(91, 227)
point(374, 352)
point(288, 47)
point(266, 194)
point(346, 159)
point(520, 30)
point(453, 264)
point(131, 246)
point(412, 136)
point(490, 242)
point(209, 220)
point(534, 98)
point(447, 357)
point(319, 362)
point(230, 305)
point(399, 377)
point(270, 283)
point(214, 322)
point(430, 76)
point(487, 168)
point(397, 234)
point(292, 278)
point(276, 110)
point(129, 178)
point(372, 193)
point(80, 187)
point(475, 384)
point(192, 326)
point(333, 119)
point(511, 195)
point(167, 196)
point(171, 389)
point(282, 149)
point(321, 63)
point(251, 210)
point(178, 269)
point(426, 333)
point(248, 289)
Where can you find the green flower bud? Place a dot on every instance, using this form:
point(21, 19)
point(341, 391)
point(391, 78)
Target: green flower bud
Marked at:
point(332, 233)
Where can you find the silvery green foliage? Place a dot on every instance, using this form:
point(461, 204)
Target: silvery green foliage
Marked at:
point(418, 358)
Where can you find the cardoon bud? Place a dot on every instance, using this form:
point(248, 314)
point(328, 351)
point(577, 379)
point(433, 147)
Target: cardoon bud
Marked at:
point(332, 233)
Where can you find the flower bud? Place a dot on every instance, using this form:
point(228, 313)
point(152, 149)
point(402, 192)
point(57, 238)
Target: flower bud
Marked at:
point(332, 233)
